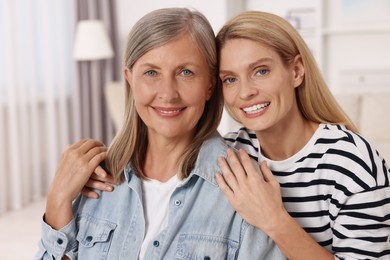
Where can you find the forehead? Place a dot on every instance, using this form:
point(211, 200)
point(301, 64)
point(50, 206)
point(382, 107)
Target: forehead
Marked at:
point(182, 47)
point(239, 52)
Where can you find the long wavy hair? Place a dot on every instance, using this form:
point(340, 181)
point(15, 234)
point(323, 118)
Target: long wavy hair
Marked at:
point(314, 99)
point(153, 30)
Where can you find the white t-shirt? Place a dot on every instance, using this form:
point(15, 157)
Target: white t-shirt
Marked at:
point(156, 196)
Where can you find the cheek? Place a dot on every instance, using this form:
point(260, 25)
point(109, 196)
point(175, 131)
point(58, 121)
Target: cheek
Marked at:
point(197, 99)
point(229, 96)
point(142, 94)
point(196, 94)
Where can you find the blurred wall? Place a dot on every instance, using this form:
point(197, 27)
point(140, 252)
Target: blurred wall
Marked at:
point(129, 11)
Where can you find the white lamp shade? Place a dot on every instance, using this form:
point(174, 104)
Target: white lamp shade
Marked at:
point(92, 41)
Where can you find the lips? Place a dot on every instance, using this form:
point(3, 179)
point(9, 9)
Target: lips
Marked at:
point(254, 109)
point(168, 111)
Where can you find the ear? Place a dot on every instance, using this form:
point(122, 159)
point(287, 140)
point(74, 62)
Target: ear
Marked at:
point(128, 75)
point(298, 71)
point(210, 89)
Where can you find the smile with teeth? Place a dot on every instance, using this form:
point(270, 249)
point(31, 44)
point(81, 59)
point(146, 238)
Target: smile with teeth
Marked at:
point(168, 112)
point(256, 108)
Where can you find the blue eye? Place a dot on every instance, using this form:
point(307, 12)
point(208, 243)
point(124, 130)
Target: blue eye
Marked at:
point(229, 81)
point(151, 73)
point(186, 72)
point(262, 72)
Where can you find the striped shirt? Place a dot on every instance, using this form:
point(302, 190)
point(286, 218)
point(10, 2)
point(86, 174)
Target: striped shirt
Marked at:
point(336, 187)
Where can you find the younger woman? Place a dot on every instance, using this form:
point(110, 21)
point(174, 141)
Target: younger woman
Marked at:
point(324, 192)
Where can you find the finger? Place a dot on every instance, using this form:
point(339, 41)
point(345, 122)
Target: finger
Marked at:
point(224, 186)
point(88, 162)
point(90, 144)
point(228, 176)
point(79, 153)
point(267, 173)
point(94, 150)
point(102, 174)
point(95, 155)
point(89, 193)
point(106, 179)
point(98, 185)
point(236, 166)
point(77, 144)
point(250, 166)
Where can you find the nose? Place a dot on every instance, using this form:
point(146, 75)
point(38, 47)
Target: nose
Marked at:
point(168, 90)
point(247, 90)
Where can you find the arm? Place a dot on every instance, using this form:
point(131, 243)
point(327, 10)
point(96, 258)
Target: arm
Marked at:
point(77, 164)
point(257, 199)
point(361, 229)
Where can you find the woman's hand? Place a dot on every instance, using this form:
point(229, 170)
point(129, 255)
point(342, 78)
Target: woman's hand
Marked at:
point(255, 196)
point(99, 180)
point(257, 199)
point(77, 164)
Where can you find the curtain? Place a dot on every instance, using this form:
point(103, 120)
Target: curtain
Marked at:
point(45, 95)
point(36, 121)
point(93, 76)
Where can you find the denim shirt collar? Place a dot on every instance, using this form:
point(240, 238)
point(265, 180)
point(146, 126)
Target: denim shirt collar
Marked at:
point(205, 165)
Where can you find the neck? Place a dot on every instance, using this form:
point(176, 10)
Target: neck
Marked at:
point(162, 157)
point(283, 141)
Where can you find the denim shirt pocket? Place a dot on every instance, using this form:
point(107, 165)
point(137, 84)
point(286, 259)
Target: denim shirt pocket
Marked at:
point(194, 246)
point(94, 235)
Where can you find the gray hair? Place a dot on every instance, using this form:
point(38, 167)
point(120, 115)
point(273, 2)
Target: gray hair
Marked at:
point(161, 26)
point(153, 30)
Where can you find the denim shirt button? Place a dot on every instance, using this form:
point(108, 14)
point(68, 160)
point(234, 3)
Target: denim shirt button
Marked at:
point(207, 258)
point(177, 202)
point(89, 238)
point(156, 243)
point(60, 241)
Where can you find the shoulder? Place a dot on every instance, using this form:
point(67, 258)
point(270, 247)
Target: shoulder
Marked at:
point(243, 139)
point(206, 164)
point(106, 203)
point(345, 140)
point(352, 152)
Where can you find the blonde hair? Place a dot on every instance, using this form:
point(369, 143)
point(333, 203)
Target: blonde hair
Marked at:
point(153, 30)
point(314, 99)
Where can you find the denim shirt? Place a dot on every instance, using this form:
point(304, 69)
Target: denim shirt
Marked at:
point(201, 223)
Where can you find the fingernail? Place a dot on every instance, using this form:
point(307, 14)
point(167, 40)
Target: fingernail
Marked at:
point(109, 188)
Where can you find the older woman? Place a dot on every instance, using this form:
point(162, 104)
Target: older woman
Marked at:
point(167, 204)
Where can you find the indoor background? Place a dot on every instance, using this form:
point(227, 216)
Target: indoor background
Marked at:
point(53, 82)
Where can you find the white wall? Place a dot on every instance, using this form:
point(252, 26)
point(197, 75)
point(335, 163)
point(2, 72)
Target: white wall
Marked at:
point(350, 42)
point(129, 11)
point(357, 41)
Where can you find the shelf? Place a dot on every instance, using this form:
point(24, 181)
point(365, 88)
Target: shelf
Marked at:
point(357, 30)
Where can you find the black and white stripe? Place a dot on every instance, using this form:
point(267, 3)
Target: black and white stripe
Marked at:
point(337, 188)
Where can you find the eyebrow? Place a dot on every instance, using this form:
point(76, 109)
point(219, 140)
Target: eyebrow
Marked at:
point(180, 66)
point(250, 65)
point(148, 64)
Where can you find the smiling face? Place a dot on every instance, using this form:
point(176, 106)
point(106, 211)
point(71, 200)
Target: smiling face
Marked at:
point(171, 85)
point(258, 88)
